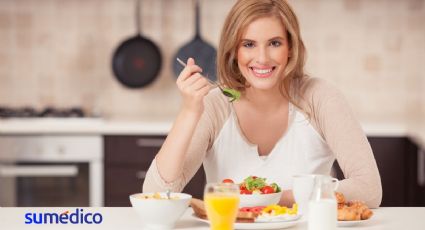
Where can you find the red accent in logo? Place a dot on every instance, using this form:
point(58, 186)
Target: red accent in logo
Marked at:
point(64, 213)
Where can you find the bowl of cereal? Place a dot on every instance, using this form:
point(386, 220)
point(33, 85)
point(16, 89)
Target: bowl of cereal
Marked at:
point(157, 211)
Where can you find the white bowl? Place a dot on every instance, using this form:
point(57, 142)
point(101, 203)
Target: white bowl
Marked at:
point(251, 200)
point(160, 213)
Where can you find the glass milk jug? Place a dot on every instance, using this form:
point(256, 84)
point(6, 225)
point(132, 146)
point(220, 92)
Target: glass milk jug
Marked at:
point(322, 207)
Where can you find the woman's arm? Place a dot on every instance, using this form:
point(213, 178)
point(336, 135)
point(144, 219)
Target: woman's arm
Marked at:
point(215, 114)
point(342, 132)
point(191, 161)
point(170, 161)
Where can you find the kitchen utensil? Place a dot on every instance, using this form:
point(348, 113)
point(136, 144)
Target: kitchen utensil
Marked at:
point(209, 80)
point(137, 61)
point(263, 226)
point(159, 213)
point(231, 93)
point(200, 50)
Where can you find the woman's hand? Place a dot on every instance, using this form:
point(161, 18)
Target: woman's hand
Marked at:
point(287, 198)
point(193, 88)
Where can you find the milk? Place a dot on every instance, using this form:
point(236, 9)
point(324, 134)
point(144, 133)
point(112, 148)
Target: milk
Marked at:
point(322, 214)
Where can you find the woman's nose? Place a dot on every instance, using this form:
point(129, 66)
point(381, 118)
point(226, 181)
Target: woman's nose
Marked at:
point(263, 55)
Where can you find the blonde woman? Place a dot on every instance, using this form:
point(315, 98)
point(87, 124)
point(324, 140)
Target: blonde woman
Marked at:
point(285, 123)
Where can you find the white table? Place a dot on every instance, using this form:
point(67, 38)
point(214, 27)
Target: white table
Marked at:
point(126, 218)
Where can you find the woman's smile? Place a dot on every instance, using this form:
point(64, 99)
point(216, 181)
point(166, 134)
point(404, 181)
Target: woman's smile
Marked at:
point(262, 72)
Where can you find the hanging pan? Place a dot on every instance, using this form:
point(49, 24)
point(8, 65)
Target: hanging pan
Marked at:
point(137, 61)
point(203, 53)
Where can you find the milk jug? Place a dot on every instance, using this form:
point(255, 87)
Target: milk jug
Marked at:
point(322, 207)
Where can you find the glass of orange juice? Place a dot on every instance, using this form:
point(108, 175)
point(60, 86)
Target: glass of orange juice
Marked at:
point(221, 203)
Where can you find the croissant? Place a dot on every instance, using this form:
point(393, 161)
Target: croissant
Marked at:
point(340, 199)
point(348, 213)
point(352, 210)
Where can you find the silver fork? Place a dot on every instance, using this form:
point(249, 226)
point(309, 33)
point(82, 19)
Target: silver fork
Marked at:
point(209, 80)
point(223, 91)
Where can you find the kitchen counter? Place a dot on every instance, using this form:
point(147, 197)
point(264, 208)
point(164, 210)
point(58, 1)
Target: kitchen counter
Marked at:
point(127, 218)
point(155, 126)
point(83, 126)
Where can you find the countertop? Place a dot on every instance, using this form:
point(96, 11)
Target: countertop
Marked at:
point(126, 218)
point(84, 126)
point(155, 126)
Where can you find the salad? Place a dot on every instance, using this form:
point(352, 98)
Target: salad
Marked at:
point(256, 185)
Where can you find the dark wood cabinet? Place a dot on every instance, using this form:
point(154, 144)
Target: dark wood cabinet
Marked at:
point(127, 158)
point(397, 160)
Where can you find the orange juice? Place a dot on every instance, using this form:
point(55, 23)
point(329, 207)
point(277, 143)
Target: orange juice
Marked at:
point(221, 210)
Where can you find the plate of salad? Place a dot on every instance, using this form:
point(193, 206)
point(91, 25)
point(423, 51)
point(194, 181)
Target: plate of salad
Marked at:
point(255, 191)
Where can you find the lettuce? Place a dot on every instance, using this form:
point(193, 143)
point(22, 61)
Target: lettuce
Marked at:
point(252, 183)
point(275, 187)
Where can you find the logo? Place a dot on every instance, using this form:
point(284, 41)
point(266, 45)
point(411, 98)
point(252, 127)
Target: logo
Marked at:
point(77, 217)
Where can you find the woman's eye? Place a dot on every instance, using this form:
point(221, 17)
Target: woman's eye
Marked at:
point(248, 44)
point(275, 43)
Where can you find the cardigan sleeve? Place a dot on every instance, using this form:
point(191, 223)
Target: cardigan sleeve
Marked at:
point(215, 113)
point(334, 120)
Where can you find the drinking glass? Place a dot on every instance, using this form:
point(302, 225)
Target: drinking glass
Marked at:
point(302, 189)
point(221, 203)
point(322, 206)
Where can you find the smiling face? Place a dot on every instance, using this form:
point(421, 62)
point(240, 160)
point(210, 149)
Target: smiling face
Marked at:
point(263, 53)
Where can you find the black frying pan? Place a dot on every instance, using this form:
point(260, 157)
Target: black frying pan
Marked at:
point(203, 53)
point(137, 61)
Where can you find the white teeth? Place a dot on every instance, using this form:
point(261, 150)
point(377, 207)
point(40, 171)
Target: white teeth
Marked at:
point(262, 71)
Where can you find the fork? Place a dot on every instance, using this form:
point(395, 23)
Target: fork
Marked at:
point(226, 93)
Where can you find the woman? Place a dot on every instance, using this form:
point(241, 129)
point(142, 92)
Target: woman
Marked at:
point(285, 123)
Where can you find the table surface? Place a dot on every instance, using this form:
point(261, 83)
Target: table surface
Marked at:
point(405, 218)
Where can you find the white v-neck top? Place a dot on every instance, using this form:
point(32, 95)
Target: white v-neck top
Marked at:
point(300, 150)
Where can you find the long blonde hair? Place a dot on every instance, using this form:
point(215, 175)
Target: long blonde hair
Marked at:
point(240, 16)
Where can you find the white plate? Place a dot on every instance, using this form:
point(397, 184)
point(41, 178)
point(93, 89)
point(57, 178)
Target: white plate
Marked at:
point(350, 223)
point(269, 225)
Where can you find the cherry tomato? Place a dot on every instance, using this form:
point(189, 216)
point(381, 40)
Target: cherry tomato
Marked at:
point(267, 190)
point(230, 181)
point(244, 191)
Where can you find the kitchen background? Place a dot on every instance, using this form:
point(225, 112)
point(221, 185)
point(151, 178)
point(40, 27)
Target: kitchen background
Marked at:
point(57, 53)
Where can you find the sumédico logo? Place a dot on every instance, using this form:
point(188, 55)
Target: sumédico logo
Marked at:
point(77, 217)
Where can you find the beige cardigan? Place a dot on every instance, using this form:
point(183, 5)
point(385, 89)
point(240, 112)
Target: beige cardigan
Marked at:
point(331, 117)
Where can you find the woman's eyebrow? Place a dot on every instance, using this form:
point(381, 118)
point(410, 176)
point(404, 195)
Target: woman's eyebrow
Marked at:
point(246, 40)
point(271, 39)
point(277, 38)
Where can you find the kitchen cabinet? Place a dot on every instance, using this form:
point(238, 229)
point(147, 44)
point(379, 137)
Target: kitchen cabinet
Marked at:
point(127, 158)
point(398, 162)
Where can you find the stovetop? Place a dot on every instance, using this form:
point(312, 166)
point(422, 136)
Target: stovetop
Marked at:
point(30, 112)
